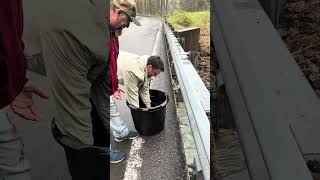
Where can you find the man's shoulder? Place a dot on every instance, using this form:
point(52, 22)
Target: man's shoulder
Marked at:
point(87, 23)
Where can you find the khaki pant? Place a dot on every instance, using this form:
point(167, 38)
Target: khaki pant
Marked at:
point(13, 164)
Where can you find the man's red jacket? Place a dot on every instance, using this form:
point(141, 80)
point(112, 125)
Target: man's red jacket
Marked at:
point(12, 59)
point(113, 56)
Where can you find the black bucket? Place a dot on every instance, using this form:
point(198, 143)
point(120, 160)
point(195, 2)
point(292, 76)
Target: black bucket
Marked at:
point(150, 121)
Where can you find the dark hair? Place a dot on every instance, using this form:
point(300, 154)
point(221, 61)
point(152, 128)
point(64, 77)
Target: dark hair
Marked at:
point(156, 62)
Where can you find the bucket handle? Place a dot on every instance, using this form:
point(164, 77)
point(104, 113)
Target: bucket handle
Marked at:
point(136, 108)
point(162, 104)
point(152, 108)
point(167, 101)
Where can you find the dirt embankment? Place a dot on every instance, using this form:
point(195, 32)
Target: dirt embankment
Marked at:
point(204, 62)
point(300, 29)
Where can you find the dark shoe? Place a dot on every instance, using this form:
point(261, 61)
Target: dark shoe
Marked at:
point(131, 135)
point(116, 156)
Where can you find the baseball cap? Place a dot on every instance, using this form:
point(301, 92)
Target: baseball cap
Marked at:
point(129, 7)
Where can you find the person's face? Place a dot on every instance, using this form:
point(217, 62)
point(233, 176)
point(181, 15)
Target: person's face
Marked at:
point(119, 20)
point(152, 72)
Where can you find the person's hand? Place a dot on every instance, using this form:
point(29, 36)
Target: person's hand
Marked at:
point(118, 94)
point(23, 104)
point(148, 105)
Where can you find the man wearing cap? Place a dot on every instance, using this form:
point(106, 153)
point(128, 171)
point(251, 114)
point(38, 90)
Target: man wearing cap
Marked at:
point(136, 73)
point(122, 12)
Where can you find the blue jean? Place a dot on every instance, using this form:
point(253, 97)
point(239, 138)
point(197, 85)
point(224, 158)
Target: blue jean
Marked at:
point(13, 164)
point(118, 126)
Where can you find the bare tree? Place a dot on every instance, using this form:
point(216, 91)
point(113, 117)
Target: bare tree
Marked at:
point(163, 7)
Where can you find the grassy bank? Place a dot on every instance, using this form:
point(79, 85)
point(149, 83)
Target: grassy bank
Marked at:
point(181, 19)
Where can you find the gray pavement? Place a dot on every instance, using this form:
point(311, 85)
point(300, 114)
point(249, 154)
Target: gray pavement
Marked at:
point(161, 154)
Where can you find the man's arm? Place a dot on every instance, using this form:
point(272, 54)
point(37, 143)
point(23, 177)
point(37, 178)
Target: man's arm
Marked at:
point(99, 74)
point(100, 94)
point(144, 93)
point(131, 86)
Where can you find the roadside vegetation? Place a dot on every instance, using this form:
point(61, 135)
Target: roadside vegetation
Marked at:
point(180, 19)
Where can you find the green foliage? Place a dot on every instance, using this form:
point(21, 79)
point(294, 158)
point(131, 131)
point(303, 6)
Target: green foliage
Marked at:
point(181, 19)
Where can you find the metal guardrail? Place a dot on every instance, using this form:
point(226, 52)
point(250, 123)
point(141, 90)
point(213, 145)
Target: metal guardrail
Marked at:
point(198, 119)
point(275, 110)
